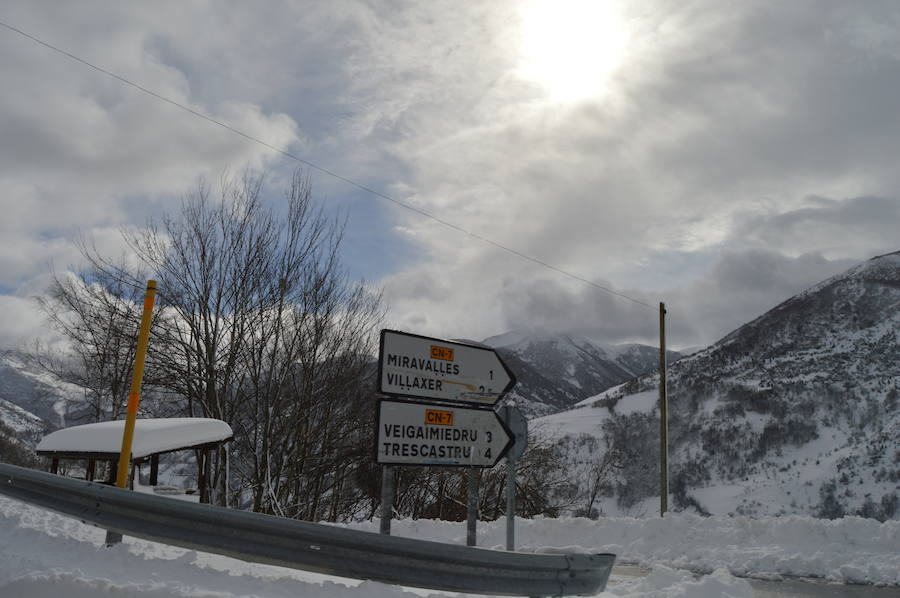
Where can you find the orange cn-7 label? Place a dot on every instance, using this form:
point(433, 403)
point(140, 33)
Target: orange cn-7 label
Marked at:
point(434, 417)
point(444, 353)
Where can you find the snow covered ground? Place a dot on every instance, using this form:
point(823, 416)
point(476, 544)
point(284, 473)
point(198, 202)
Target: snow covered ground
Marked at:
point(43, 554)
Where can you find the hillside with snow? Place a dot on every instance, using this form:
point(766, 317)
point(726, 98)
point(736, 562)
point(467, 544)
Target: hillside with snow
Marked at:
point(797, 412)
point(32, 399)
point(554, 372)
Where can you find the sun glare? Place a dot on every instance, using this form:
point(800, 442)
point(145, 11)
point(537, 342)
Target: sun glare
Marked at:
point(570, 47)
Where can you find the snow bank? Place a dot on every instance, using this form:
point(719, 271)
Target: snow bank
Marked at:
point(852, 550)
point(43, 554)
point(663, 582)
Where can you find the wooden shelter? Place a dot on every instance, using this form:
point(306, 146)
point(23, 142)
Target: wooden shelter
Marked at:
point(152, 437)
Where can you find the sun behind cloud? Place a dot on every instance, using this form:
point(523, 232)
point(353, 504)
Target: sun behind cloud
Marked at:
point(571, 47)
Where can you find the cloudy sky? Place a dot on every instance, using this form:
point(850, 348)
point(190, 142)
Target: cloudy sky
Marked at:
point(716, 156)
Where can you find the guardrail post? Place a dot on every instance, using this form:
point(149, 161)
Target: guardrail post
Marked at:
point(387, 498)
point(472, 506)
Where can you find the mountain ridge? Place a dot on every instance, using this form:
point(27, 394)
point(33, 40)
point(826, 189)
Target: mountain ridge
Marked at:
point(795, 411)
point(555, 371)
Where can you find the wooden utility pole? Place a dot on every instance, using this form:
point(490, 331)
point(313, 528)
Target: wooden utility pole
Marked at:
point(663, 417)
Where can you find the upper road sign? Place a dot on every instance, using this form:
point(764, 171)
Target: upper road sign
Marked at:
point(418, 366)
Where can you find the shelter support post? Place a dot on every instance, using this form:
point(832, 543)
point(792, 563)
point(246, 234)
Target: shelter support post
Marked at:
point(54, 465)
point(154, 470)
point(207, 473)
point(227, 450)
point(203, 474)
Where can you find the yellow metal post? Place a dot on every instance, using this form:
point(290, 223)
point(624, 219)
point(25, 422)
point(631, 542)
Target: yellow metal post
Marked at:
point(134, 397)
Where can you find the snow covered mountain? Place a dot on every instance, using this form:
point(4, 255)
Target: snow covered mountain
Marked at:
point(31, 403)
point(32, 400)
point(797, 411)
point(555, 371)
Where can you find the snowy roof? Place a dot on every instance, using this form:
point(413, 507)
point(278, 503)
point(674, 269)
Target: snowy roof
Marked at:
point(150, 436)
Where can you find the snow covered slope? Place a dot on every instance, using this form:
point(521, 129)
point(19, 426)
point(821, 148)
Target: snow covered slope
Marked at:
point(43, 554)
point(42, 395)
point(25, 424)
point(555, 371)
point(796, 412)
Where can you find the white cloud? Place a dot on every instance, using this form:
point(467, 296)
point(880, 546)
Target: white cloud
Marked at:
point(82, 151)
point(716, 130)
point(21, 323)
point(719, 125)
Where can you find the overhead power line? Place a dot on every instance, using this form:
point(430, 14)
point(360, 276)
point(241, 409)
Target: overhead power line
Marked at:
point(322, 169)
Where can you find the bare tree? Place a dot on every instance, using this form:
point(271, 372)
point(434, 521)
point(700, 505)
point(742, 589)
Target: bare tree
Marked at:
point(99, 315)
point(543, 487)
point(257, 325)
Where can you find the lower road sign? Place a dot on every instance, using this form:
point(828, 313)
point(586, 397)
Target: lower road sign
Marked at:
point(423, 434)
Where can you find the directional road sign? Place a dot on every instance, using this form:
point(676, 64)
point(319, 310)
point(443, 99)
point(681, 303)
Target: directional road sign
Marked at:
point(410, 365)
point(426, 434)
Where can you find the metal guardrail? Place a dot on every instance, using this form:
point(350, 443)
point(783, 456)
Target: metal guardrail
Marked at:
point(310, 546)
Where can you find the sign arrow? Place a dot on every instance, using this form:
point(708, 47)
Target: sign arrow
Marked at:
point(517, 425)
point(410, 365)
point(426, 434)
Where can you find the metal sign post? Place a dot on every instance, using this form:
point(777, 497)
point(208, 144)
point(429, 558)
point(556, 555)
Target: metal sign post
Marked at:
point(518, 425)
point(510, 504)
point(471, 506)
point(387, 498)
